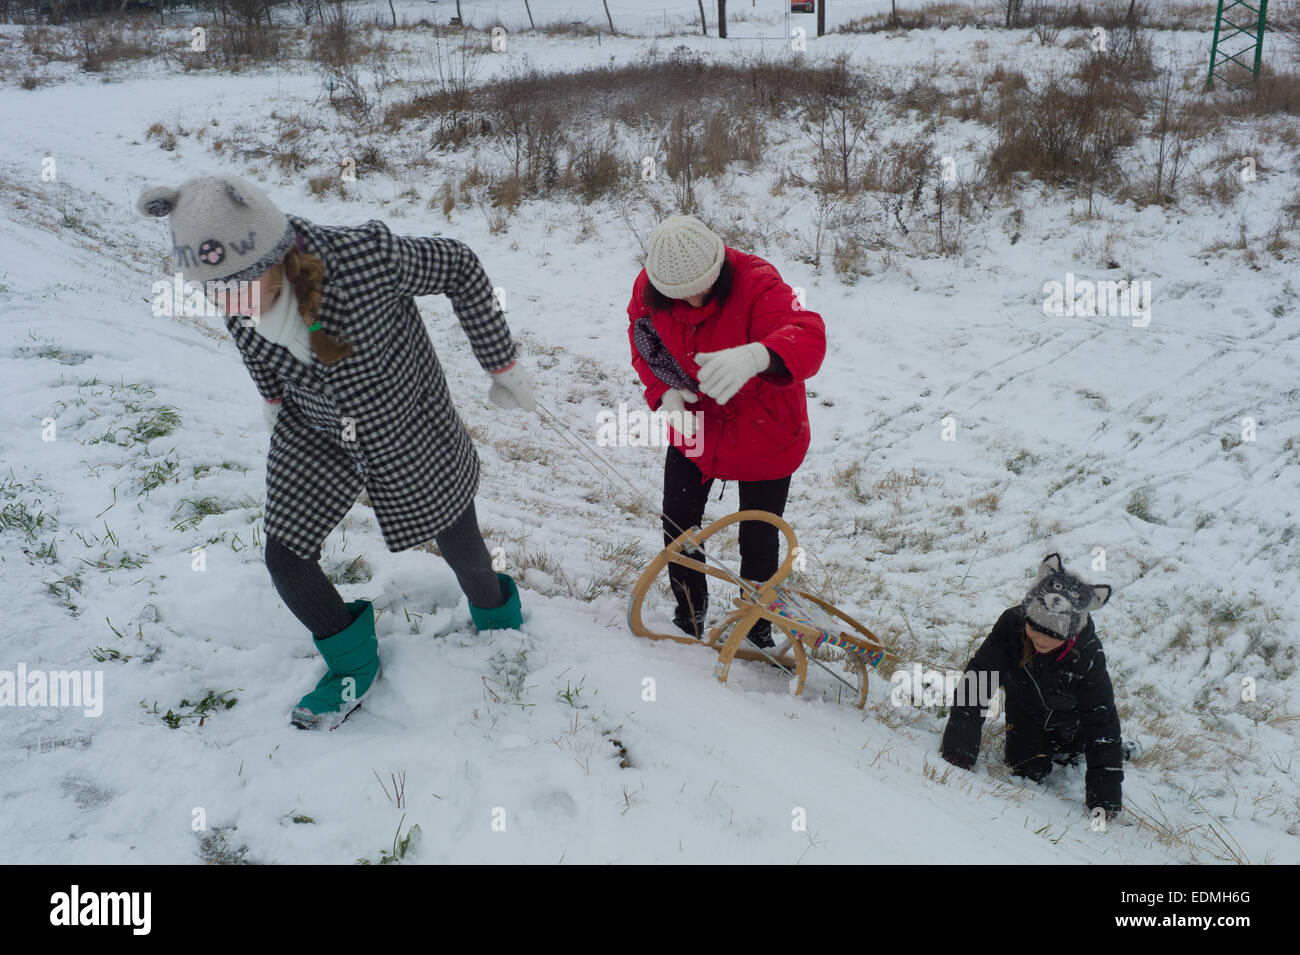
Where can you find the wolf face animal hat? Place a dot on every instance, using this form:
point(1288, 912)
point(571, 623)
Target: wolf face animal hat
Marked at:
point(1059, 603)
point(224, 228)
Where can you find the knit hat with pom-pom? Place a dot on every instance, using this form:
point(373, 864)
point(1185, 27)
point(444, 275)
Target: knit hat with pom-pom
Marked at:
point(224, 228)
point(685, 257)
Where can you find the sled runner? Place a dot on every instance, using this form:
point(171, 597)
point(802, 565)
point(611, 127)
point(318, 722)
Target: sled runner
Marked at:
point(811, 623)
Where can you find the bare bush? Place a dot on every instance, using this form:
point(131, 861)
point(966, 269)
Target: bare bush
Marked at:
point(1067, 133)
point(1045, 15)
point(644, 94)
point(937, 16)
point(107, 43)
point(1276, 91)
point(900, 167)
point(332, 41)
point(836, 128)
point(531, 141)
point(597, 170)
point(681, 146)
point(1127, 59)
point(455, 65)
point(1171, 138)
point(362, 89)
point(728, 138)
point(307, 9)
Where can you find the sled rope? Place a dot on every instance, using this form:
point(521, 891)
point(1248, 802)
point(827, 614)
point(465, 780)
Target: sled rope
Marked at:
point(612, 474)
point(609, 472)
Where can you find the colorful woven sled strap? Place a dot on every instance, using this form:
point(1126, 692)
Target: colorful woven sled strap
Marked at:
point(786, 607)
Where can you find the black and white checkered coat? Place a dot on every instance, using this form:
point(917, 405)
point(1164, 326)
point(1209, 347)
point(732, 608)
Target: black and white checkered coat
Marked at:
point(381, 418)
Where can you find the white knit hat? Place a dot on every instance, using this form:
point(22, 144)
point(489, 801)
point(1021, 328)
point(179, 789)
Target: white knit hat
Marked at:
point(685, 257)
point(223, 227)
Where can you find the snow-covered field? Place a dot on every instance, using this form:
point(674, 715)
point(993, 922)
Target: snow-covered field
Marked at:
point(1070, 434)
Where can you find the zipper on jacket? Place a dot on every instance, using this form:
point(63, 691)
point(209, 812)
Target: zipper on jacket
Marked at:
point(1040, 696)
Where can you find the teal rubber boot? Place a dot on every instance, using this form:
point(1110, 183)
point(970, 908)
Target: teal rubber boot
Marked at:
point(508, 616)
point(352, 658)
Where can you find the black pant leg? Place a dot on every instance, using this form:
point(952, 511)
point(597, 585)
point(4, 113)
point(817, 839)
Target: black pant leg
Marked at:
point(1028, 750)
point(685, 494)
point(760, 543)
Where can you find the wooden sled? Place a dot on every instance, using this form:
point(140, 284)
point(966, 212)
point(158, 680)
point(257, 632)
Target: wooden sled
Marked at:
point(810, 622)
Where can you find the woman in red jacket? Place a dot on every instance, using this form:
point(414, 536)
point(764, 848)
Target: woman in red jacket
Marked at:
point(718, 330)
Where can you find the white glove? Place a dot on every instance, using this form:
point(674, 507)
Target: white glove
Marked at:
point(512, 388)
point(270, 410)
point(723, 373)
point(674, 402)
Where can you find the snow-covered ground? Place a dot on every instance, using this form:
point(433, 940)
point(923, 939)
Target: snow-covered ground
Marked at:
point(1071, 434)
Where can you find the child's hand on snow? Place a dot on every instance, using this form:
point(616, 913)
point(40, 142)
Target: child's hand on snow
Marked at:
point(512, 388)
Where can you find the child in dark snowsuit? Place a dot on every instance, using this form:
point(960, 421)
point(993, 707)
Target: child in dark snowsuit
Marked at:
point(1059, 701)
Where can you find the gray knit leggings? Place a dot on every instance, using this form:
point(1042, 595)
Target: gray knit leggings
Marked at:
point(308, 593)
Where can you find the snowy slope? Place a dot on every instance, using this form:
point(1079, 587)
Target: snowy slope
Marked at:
point(1064, 420)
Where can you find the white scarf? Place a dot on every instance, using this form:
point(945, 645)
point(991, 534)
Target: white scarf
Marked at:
point(282, 325)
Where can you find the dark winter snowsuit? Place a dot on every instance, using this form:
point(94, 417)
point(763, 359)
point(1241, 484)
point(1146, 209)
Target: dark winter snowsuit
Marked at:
point(1054, 709)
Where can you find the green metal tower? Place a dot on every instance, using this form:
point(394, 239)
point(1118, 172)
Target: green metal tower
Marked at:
point(1226, 32)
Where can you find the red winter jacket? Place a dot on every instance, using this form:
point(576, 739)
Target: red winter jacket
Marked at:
point(762, 432)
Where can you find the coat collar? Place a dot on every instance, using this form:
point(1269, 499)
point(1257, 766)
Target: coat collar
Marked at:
point(332, 318)
point(276, 357)
point(689, 315)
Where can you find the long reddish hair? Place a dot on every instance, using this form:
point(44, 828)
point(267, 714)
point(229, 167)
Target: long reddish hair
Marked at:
point(305, 272)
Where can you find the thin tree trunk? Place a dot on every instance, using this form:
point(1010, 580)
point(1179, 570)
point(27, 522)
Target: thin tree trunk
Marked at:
point(393, 12)
point(722, 19)
point(608, 17)
point(531, 24)
point(821, 17)
point(704, 26)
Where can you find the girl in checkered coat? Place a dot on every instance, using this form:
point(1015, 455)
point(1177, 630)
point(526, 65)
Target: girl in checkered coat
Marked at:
point(325, 321)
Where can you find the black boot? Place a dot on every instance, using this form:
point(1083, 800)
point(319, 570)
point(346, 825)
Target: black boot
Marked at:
point(691, 626)
point(692, 609)
point(760, 634)
point(690, 589)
